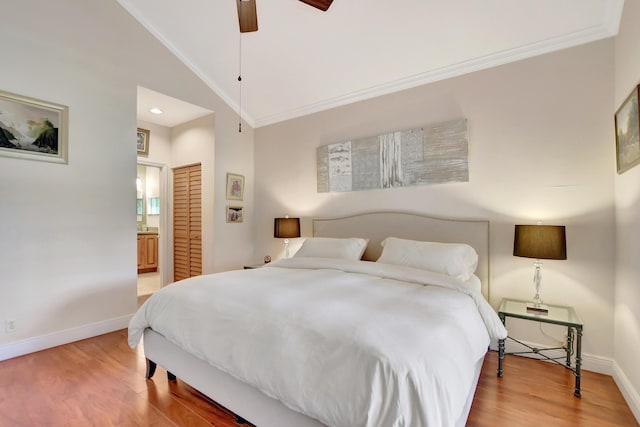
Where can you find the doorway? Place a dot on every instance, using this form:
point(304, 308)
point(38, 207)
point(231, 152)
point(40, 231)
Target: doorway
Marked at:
point(150, 227)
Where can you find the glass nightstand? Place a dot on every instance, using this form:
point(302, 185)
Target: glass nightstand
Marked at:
point(558, 315)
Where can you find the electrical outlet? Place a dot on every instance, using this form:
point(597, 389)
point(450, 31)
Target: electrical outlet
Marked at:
point(10, 325)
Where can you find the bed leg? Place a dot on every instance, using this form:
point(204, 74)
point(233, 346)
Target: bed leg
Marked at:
point(170, 376)
point(151, 369)
point(240, 420)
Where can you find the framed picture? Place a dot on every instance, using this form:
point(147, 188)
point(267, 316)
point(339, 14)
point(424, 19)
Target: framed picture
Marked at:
point(33, 129)
point(235, 213)
point(627, 124)
point(143, 141)
point(235, 187)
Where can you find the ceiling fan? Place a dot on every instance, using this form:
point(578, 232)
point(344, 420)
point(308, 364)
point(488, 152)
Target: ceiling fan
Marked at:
point(248, 19)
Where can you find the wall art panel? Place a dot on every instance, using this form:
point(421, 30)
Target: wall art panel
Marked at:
point(428, 155)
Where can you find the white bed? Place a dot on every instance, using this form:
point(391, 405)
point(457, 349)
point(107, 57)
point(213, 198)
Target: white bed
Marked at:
point(242, 308)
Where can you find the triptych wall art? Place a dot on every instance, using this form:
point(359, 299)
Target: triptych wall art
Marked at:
point(428, 155)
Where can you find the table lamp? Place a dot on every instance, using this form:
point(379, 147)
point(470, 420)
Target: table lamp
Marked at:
point(286, 228)
point(539, 242)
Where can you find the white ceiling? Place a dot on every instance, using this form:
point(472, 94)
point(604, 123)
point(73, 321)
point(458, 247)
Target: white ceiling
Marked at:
point(303, 60)
point(175, 111)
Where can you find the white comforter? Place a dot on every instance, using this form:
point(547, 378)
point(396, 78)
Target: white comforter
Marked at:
point(348, 343)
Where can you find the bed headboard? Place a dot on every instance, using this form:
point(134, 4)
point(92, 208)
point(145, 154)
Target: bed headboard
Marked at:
point(376, 226)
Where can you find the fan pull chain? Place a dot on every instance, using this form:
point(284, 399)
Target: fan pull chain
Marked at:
point(240, 85)
point(240, 106)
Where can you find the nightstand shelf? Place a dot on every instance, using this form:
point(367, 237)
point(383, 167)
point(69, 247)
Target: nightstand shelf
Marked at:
point(558, 315)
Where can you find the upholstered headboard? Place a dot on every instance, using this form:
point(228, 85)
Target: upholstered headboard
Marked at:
point(376, 226)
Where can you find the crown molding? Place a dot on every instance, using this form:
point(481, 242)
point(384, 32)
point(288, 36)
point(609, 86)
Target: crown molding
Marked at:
point(608, 28)
point(133, 11)
point(584, 36)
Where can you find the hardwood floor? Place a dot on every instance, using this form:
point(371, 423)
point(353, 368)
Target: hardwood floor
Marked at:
point(535, 393)
point(100, 382)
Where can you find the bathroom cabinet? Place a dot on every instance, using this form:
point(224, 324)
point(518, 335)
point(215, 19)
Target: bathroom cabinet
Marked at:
point(147, 252)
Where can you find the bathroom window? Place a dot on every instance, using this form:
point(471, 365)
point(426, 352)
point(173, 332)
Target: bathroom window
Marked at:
point(154, 206)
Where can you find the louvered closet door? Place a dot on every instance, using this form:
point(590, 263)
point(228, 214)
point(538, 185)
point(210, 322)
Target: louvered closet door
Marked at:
point(187, 222)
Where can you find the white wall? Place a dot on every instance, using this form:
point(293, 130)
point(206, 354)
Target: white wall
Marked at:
point(540, 136)
point(194, 142)
point(540, 149)
point(67, 233)
point(234, 243)
point(159, 143)
point(627, 200)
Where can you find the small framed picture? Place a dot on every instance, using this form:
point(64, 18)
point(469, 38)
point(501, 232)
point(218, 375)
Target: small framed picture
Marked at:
point(235, 187)
point(33, 129)
point(235, 213)
point(627, 123)
point(143, 141)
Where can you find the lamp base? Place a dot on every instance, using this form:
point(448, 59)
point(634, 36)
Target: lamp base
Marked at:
point(534, 307)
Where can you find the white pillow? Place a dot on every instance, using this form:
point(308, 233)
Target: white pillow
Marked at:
point(330, 247)
point(454, 259)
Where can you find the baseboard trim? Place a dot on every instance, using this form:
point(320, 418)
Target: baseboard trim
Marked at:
point(590, 362)
point(54, 339)
point(629, 393)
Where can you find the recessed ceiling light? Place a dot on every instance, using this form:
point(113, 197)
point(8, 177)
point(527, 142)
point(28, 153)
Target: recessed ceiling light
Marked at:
point(156, 110)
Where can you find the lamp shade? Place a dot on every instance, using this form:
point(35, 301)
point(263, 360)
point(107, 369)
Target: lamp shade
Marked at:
point(286, 228)
point(540, 241)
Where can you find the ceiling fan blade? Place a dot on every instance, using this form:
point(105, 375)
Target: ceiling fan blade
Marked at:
point(247, 17)
point(323, 5)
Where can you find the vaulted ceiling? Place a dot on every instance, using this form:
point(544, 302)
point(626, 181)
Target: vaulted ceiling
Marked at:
point(302, 60)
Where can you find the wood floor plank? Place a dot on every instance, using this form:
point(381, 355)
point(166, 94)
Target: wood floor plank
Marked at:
point(202, 405)
point(536, 393)
point(100, 382)
point(179, 413)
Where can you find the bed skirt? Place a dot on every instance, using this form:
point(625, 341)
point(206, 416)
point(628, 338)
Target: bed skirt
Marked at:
point(237, 396)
